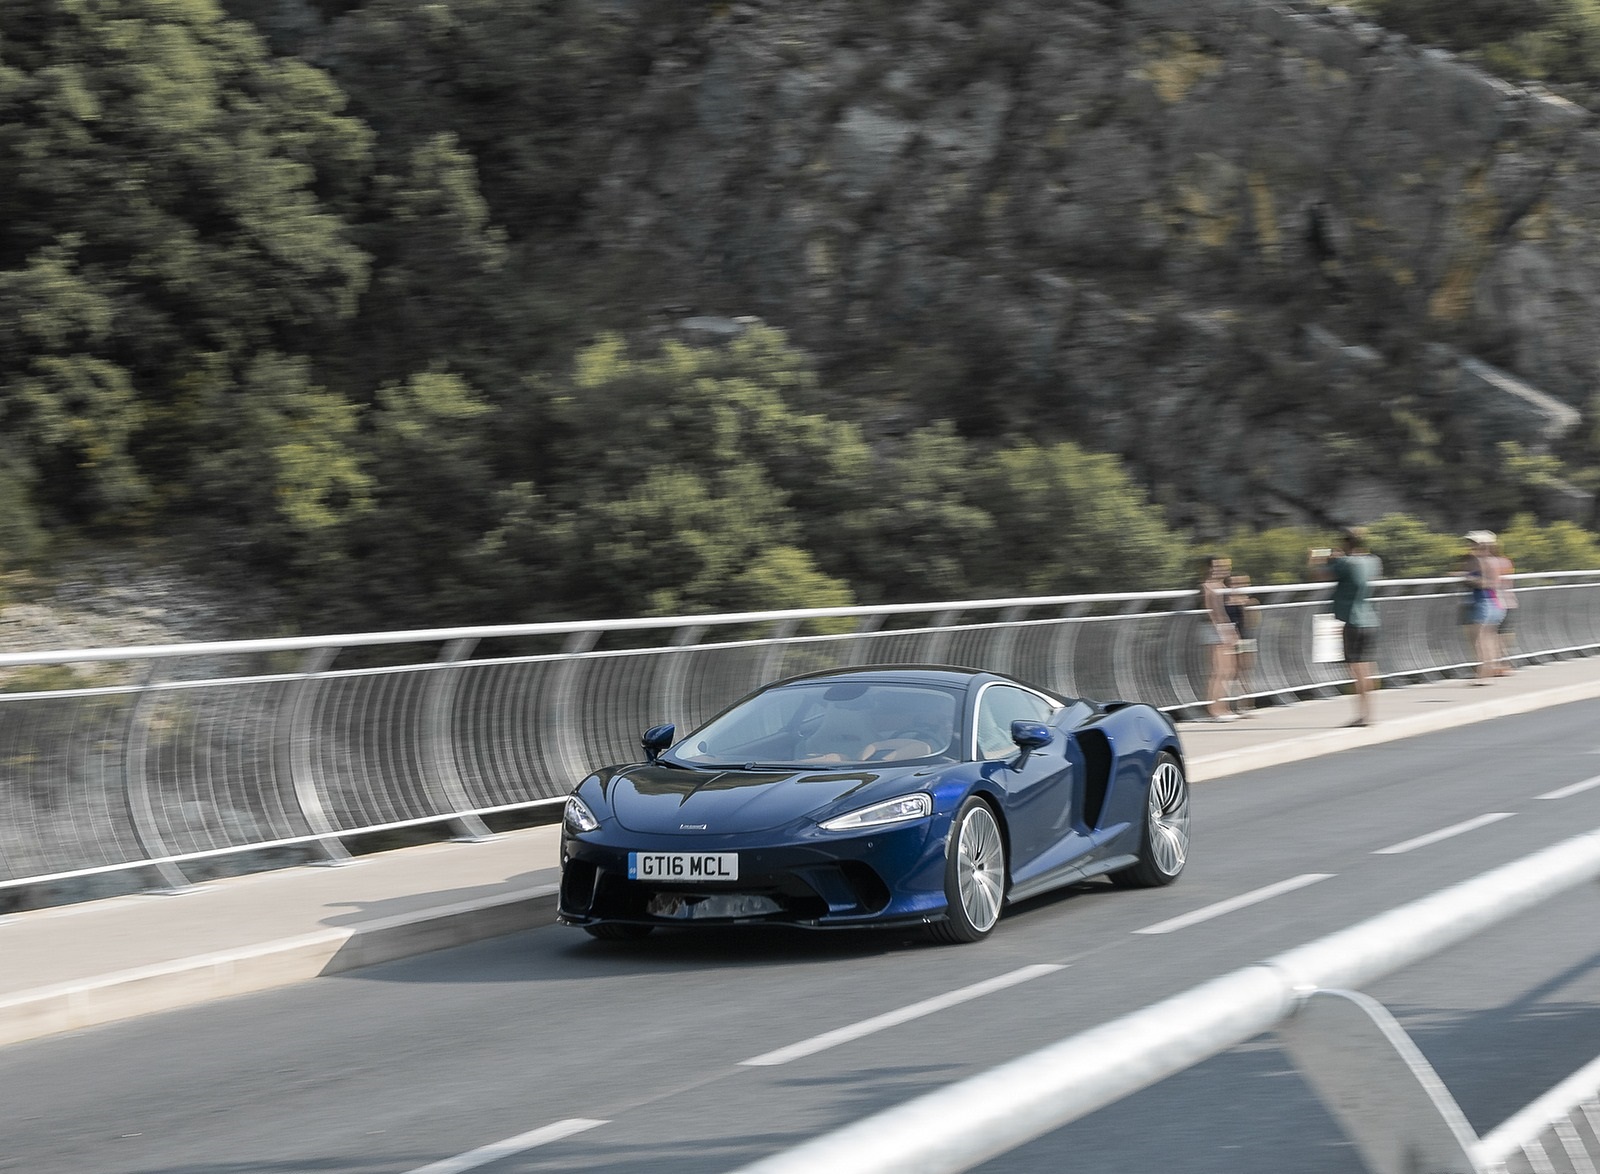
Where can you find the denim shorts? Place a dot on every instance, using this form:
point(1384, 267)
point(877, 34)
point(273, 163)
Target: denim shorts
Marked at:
point(1485, 611)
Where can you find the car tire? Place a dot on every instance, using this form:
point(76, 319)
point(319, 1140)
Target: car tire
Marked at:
point(1164, 842)
point(618, 931)
point(974, 875)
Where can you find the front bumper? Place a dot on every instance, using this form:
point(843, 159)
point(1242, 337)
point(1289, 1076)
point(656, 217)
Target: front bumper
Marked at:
point(892, 875)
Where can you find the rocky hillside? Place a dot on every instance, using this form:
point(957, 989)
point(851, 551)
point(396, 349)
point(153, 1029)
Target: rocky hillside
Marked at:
point(1287, 263)
point(403, 366)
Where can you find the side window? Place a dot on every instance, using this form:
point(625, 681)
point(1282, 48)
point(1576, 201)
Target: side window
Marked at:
point(999, 706)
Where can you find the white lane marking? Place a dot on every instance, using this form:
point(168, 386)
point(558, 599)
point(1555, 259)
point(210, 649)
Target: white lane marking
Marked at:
point(483, 1155)
point(1239, 902)
point(1454, 829)
point(1573, 789)
point(842, 1035)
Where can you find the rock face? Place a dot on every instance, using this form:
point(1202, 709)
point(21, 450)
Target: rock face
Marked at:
point(1136, 209)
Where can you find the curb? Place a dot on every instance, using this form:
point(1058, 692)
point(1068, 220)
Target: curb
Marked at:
point(1306, 746)
point(188, 981)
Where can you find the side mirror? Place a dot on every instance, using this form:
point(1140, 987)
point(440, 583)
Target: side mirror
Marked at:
point(1030, 736)
point(656, 739)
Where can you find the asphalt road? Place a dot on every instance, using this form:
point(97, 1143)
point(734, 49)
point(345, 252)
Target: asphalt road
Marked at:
point(404, 1068)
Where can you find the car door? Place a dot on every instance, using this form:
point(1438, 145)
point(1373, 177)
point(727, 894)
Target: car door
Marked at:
point(1038, 796)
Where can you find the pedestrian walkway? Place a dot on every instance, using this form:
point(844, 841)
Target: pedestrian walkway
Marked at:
point(79, 965)
point(1310, 729)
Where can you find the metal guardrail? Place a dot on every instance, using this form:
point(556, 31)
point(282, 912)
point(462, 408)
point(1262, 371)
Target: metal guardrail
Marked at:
point(177, 754)
point(1373, 1080)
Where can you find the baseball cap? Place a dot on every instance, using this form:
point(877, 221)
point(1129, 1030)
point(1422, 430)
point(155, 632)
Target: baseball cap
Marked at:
point(1477, 537)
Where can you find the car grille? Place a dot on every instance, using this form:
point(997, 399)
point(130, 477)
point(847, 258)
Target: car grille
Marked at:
point(845, 889)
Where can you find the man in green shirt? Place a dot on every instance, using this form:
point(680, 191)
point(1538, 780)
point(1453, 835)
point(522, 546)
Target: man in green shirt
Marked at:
point(1353, 573)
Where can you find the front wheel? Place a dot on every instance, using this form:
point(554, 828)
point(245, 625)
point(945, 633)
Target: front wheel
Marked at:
point(1164, 847)
point(974, 875)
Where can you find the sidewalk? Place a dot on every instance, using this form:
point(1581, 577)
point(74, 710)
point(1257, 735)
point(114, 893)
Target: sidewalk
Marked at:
point(79, 965)
point(1310, 729)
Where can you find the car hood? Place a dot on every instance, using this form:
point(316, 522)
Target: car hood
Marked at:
point(662, 800)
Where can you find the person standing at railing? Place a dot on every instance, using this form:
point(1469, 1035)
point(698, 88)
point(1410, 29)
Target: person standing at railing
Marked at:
point(1239, 607)
point(1218, 635)
point(1507, 628)
point(1483, 578)
point(1353, 572)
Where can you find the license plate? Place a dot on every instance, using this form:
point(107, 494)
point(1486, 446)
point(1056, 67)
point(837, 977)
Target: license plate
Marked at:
point(683, 866)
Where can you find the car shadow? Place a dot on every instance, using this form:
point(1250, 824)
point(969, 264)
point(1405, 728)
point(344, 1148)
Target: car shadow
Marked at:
point(362, 912)
point(1087, 890)
point(557, 953)
point(563, 954)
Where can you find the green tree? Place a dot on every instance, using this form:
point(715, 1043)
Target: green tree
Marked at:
point(917, 535)
point(674, 481)
point(21, 537)
point(524, 87)
point(1275, 555)
point(1558, 546)
point(171, 208)
point(440, 295)
point(68, 412)
point(280, 477)
point(1072, 521)
point(407, 559)
point(1409, 550)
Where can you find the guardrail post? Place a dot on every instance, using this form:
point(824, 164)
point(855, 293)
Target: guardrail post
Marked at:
point(136, 790)
point(1063, 648)
point(670, 692)
point(1124, 665)
point(295, 737)
point(1378, 1086)
point(1003, 652)
point(853, 648)
point(569, 746)
point(1176, 641)
point(772, 659)
point(439, 707)
point(936, 649)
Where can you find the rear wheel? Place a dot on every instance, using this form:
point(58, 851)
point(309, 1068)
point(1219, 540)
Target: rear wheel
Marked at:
point(974, 875)
point(1164, 848)
point(616, 931)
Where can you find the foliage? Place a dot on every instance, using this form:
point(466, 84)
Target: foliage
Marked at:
point(1559, 546)
point(1409, 550)
point(1276, 555)
point(1556, 41)
point(520, 86)
point(341, 330)
point(166, 209)
point(685, 477)
point(21, 537)
point(1072, 521)
point(45, 678)
point(917, 533)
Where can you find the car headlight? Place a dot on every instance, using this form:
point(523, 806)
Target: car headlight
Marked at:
point(577, 817)
point(906, 807)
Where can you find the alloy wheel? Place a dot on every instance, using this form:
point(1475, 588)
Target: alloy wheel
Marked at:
point(981, 868)
point(1169, 818)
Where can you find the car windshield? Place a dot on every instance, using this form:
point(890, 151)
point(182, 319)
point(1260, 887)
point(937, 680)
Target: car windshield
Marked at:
point(815, 723)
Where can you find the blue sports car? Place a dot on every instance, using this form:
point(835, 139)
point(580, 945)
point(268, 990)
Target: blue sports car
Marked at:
point(888, 795)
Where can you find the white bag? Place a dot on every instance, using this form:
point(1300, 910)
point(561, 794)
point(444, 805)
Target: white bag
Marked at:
point(1327, 639)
